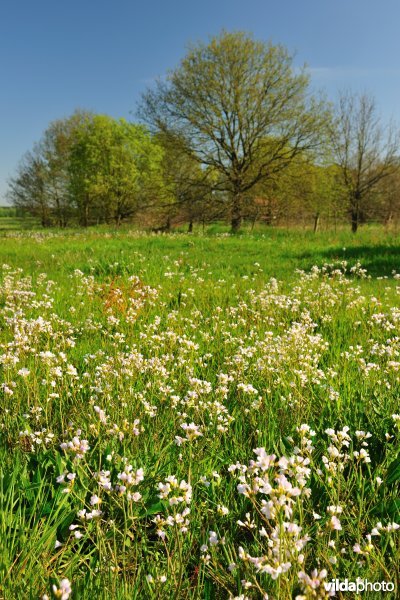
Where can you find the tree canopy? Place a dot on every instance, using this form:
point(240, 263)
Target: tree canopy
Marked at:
point(232, 133)
point(238, 106)
point(114, 166)
point(93, 167)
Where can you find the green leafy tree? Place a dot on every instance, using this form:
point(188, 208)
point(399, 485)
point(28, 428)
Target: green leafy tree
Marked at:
point(225, 99)
point(115, 167)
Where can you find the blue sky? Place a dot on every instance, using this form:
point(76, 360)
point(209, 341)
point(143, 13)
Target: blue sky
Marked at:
point(56, 56)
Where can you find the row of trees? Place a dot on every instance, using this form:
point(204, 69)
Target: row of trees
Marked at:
point(88, 167)
point(232, 133)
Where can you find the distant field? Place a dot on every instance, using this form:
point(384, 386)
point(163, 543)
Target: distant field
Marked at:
point(191, 416)
point(279, 251)
point(10, 221)
point(17, 223)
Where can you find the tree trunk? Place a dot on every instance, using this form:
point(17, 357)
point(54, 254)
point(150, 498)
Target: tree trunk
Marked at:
point(86, 213)
point(354, 220)
point(388, 220)
point(355, 213)
point(316, 222)
point(268, 215)
point(236, 216)
point(44, 216)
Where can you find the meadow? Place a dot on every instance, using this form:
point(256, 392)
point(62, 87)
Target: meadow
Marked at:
point(199, 416)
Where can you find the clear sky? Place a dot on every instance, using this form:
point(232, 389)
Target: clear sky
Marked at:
point(56, 56)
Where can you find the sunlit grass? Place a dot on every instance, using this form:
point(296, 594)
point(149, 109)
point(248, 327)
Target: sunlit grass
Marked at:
point(180, 355)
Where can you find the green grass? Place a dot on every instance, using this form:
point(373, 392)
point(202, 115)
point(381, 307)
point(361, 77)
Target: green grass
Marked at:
point(278, 251)
point(14, 223)
point(160, 331)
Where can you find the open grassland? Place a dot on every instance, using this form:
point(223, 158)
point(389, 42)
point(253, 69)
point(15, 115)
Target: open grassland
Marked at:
point(198, 416)
point(10, 221)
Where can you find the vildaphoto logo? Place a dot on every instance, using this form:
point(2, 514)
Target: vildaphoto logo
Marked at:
point(359, 586)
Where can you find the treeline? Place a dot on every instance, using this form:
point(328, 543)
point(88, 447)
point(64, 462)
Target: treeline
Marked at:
point(88, 169)
point(232, 134)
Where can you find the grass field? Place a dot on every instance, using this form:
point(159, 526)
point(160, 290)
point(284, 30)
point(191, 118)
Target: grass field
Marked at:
point(199, 416)
point(10, 221)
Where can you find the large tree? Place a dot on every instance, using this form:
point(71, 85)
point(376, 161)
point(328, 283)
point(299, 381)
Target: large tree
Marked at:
point(365, 151)
point(239, 107)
